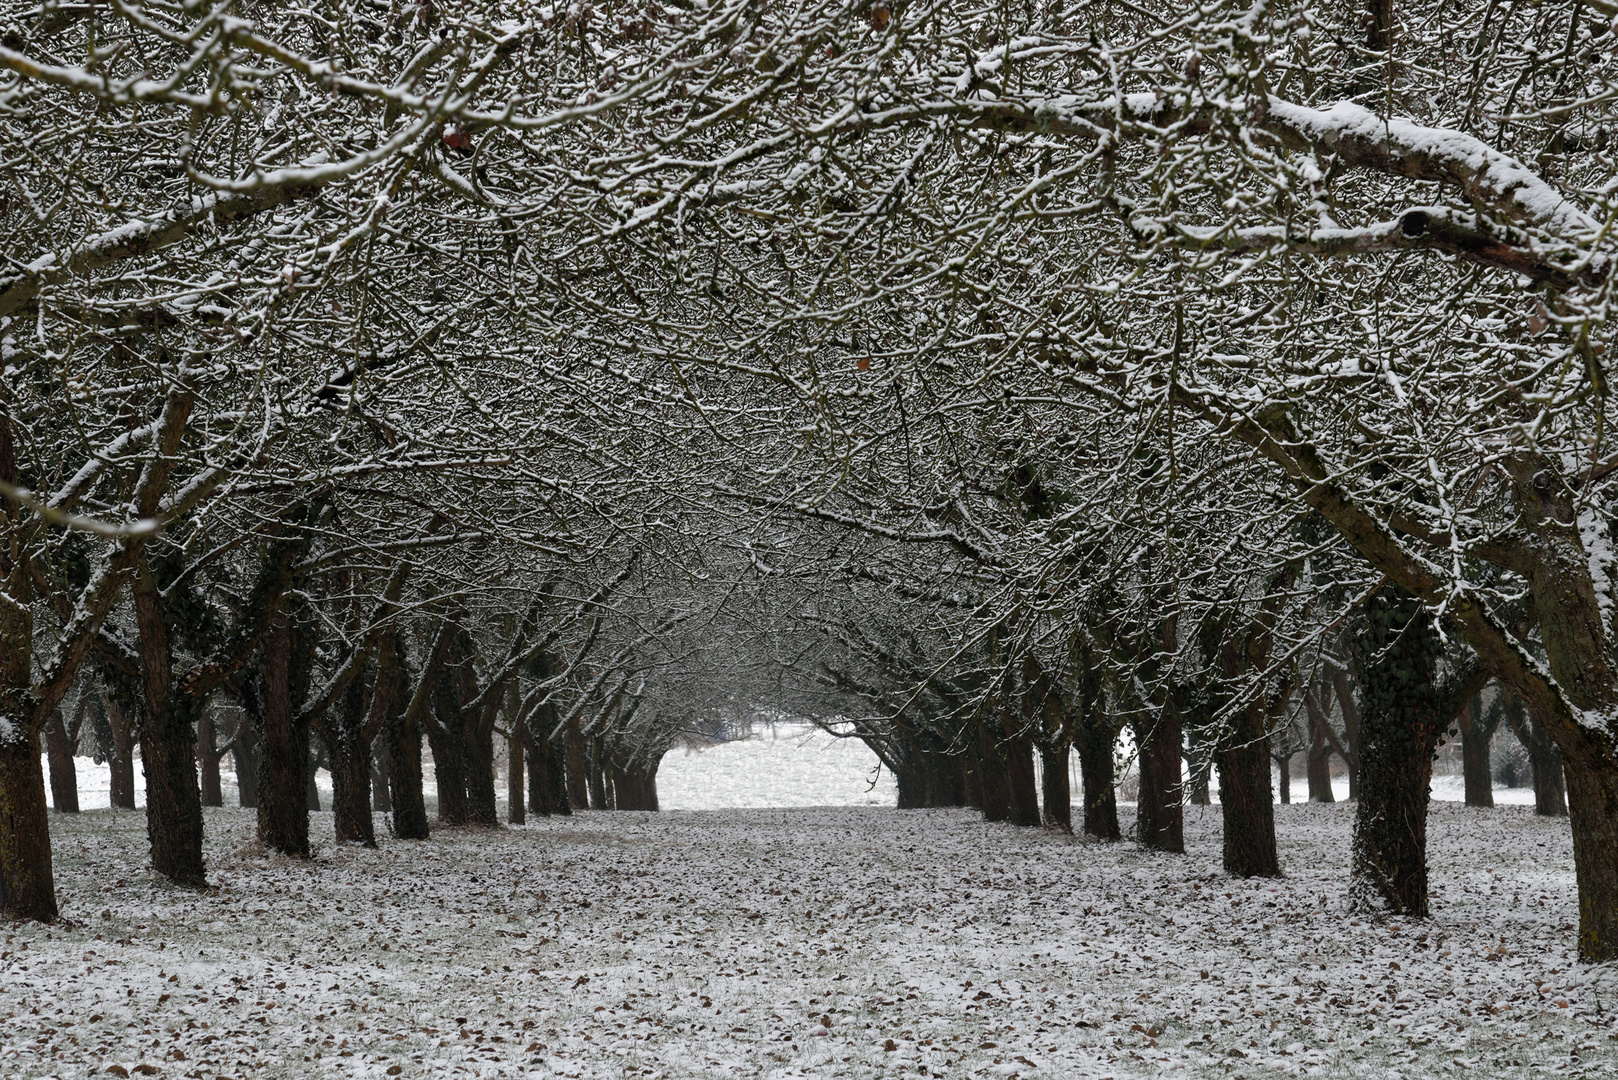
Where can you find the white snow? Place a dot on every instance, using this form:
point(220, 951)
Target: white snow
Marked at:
point(803, 943)
point(780, 767)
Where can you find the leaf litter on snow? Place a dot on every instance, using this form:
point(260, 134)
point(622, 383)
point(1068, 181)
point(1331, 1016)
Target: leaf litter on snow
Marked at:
point(853, 941)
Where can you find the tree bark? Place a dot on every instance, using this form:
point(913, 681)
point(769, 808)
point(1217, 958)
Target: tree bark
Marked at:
point(1021, 784)
point(381, 799)
point(1475, 737)
point(993, 776)
point(1318, 763)
point(1159, 817)
point(121, 767)
point(405, 784)
point(208, 760)
point(577, 773)
point(64, 776)
point(244, 748)
point(27, 888)
point(1544, 758)
point(600, 796)
point(1283, 771)
point(557, 764)
point(168, 747)
point(1396, 657)
point(348, 757)
point(1094, 735)
point(1057, 793)
point(283, 804)
point(516, 737)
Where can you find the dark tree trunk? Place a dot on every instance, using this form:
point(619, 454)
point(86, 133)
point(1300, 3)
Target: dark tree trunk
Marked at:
point(1396, 656)
point(381, 799)
point(1199, 766)
point(351, 796)
point(1245, 800)
point(405, 783)
point(446, 732)
point(577, 772)
point(27, 889)
point(537, 755)
point(1094, 736)
point(348, 757)
point(516, 737)
point(1351, 729)
point(311, 774)
point(283, 804)
point(561, 789)
point(993, 776)
point(167, 747)
point(1318, 761)
point(1283, 766)
point(244, 749)
point(1021, 783)
point(208, 760)
point(1544, 758)
point(600, 797)
point(1057, 792)
point(173, 800)
point(121, 766)
point(443, 739)
point(972, 781)
point(1159, 817)
point(64, 776)
point(482, 805)
point(1476, 735)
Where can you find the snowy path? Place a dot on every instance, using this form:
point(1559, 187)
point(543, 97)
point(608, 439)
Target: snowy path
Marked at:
point(848, 942)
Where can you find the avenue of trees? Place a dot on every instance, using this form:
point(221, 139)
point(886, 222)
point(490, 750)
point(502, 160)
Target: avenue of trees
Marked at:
point(1196, 385)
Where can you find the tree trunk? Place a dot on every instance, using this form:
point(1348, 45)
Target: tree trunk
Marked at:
point(1283, 769)
point(444, 738)
point(381, 800)
point(173, 800)
point(208, 760)
point(1475, 738)
point(244, 748)
point(516, 737)
point(558, 764)
point(1396, 657)
point(311, 777)
point(1317, 764)
point(993, 776)
point(1245, 800)
point(27, 889)
point(1058, 796)
point(351, 794)
point(972, 781)
point(121, 766)
point(482, 805)
point(446, 732)
point(283, 804)
point(1022, 785)
point(1199, 764)
point(64, 776)
point(547, 780)
point(1094, 736)
point(600, 799)
point(1159, 817)
point(348, 757)
point(168, 750)
point(577, 772)
point(1544, 758)
point(404, 771)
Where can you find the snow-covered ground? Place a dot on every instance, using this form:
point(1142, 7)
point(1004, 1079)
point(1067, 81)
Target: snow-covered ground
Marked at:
point(779, 767)
point(832, 942)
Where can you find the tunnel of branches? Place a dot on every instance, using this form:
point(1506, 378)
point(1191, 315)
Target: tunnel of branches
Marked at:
point(1045, 398)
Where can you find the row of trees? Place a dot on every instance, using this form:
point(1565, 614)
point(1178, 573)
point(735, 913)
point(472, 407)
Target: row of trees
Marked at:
point(975, 372)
